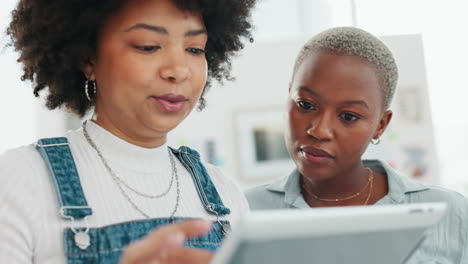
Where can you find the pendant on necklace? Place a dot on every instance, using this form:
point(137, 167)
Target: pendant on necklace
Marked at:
point(82, 240)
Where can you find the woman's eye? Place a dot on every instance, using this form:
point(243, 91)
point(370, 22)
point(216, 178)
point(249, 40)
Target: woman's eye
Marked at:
point(148, 49)
point(196, 51)
point(348, 117)
point(306, 105)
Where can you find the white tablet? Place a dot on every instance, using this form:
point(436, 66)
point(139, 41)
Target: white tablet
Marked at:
point(385, 234)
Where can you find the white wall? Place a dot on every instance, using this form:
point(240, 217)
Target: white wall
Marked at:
point(23, 117)
point(16, 106)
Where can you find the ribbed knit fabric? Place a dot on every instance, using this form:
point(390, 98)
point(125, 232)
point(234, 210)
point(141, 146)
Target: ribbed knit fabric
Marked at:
point(31, 230)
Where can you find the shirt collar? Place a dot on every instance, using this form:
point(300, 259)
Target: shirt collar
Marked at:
point(291, 188)
point(398, 185)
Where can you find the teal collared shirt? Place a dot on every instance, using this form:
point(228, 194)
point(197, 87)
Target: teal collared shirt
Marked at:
point(446, 243)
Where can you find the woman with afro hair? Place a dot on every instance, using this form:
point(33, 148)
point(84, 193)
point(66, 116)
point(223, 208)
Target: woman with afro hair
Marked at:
point(140, 67)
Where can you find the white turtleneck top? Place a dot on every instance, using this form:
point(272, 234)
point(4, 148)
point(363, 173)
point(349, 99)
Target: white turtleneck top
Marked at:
point(31, 229)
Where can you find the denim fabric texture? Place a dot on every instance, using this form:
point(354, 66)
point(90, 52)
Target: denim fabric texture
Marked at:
point(107, 243)
point(210, 197)
point(59, 159)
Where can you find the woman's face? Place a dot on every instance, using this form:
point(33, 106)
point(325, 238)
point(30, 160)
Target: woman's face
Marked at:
point(150, 70)
point(335, 108)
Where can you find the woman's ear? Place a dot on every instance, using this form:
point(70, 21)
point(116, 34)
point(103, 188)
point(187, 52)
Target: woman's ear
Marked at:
point(87, 66)
point(383, 123)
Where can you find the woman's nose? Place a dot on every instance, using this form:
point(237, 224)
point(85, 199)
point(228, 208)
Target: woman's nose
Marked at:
point(321, 128)
point(175, 68)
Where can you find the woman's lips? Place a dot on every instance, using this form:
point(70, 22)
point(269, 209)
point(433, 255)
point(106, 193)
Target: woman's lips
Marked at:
point(316, 155)
point(171, 102)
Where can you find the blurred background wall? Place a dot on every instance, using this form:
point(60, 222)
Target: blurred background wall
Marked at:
point(240, 130)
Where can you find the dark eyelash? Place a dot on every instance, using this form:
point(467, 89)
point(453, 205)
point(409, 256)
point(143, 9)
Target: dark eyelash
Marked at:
point(146, 48)
point(196, 51)
point(302, 105)
point(354, 117)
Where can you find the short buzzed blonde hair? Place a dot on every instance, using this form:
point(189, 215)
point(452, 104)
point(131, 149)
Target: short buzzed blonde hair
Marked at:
point(356, 42)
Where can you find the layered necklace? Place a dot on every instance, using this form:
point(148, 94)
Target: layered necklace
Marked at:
point(370, 181)
point(122, 185)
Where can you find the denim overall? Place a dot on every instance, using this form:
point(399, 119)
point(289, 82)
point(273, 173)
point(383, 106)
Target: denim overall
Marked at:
point(105, 244)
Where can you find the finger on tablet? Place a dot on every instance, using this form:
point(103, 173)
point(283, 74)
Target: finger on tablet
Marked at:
point(157, 243)
point(189, 256)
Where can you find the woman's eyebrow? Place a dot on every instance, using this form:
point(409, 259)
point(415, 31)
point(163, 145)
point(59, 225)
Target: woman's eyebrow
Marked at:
point(164, 31)
point(309, 91)
point(356, 102)
point(347, 102)
point(157, 29)
point(194, 33)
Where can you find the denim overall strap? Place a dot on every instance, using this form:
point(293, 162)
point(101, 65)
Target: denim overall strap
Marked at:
point(56, 153)
point(205, 187)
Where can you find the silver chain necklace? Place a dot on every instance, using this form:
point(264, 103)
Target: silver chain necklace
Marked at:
point(120, 183)
point(150, 196)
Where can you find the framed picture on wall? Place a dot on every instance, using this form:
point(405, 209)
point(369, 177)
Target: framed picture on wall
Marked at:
point(261, 148)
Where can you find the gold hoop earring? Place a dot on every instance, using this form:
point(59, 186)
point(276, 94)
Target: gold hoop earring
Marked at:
point(86, 90)
point(375, 141)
